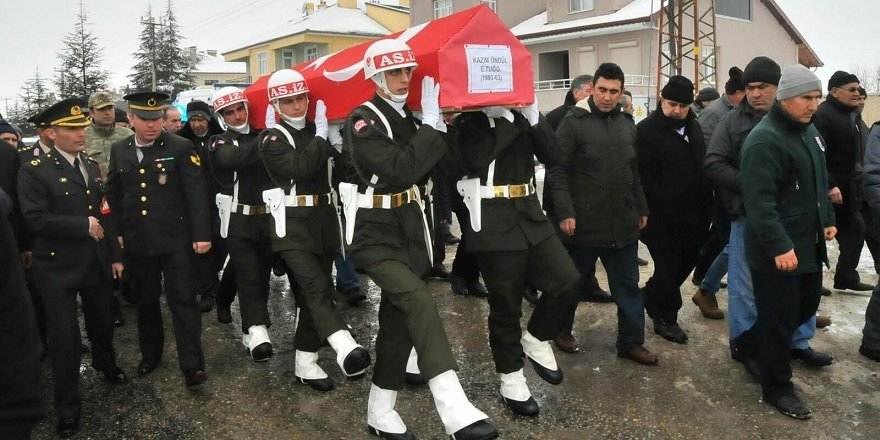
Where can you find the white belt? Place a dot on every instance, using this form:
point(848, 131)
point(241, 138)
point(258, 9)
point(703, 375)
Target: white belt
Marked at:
point(388, 201)
point(307, 200)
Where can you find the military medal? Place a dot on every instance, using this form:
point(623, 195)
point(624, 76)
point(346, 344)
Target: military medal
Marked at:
point(163, 177)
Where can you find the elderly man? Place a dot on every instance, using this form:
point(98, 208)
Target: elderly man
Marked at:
point(171, 119)
point(704, 99)
point(103, 132)
point(785, 193)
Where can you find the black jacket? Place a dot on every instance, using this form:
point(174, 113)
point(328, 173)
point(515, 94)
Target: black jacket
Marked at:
point(679, 196)
point(839, 125)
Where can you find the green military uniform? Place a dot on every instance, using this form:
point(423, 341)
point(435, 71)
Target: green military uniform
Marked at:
point(99, 140)
point(389, 243)
point(516, 243)
point(312, 228)
point(250, 225)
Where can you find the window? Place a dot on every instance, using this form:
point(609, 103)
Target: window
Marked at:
point(287, 59)
point(311, 53)
point(734, 8)
point(587, 60)
point(442, 8)
point(582, 5)
point(491, 4)
point(262, 63)
point(553, 66)
point(211, 82)
point(708, 66)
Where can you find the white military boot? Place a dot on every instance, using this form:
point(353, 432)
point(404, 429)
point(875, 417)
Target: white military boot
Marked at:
point(307, 371)
point(382, 419)
point(460, 418)
point(540, 354)
point(257, 342)
point(516, 394)
point(351, 357)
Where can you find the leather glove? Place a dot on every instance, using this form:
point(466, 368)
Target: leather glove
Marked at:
point(321, 127)
point(430, 102)
point(496, 111)
point(531, 112)
point(335, 137)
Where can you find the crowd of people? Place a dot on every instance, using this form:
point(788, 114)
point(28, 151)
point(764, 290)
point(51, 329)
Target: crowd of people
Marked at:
point(749, 184)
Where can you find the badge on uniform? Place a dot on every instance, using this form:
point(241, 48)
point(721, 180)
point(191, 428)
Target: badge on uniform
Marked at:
point(163, 177)
point(196, 160)
point(819, 142)
point(36, 152)
point(62, 179)
point(105, 207)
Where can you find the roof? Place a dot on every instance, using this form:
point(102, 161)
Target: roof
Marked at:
point(216, 64)
point(641, 11)
point(330, 20)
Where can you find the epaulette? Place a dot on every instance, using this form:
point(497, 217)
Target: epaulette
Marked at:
point(91, 160)
point(23, 149)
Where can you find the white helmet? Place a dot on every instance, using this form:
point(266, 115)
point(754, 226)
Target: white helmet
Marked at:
point(386, 55)
point(286, 82)
point(227, 96)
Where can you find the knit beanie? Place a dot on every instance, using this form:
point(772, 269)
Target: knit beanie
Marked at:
point(708, 94)
point(863, 92)
point(761, 69)
point(6, 127)
point(734, 82)
point(679, 89)
point(840, 78)
point(797, 80)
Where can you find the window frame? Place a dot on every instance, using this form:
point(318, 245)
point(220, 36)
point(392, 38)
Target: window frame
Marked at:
point(442, 8)
point(582, 8)
point(262, 63)
point(733, 17)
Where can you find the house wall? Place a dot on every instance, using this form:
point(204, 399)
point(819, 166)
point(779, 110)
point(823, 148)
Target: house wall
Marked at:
point(391, 19)
point(560, 10)
point(511, 12)
point(205, 78)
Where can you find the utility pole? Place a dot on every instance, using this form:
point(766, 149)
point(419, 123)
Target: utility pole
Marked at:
point(152, 24)
point(63, 91)
point(6, 99)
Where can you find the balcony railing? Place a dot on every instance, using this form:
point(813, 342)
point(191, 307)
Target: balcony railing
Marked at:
point(565, 83)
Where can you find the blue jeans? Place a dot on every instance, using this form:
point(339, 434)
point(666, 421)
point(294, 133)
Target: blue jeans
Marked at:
point(712, 280)
point(346, 278)
point(623, 279)
point(741, 311)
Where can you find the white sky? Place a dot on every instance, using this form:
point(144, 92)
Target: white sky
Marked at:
point(31, 31)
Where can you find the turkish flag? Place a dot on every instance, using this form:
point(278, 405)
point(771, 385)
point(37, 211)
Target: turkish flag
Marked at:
point(472, 54)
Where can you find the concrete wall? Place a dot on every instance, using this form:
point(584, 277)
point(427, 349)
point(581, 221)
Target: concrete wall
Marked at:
point(511, 12)
point(392, 20)
point(560, 10)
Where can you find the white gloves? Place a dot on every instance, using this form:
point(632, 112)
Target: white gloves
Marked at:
point(496, 111)
point(321, 127)
point(531, 112)
point(431, 103)
point(335, 138)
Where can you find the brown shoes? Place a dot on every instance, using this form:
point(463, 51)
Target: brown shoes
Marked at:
point(639, 354)
point(708, 304)
point(823, 321)
point(567, 343)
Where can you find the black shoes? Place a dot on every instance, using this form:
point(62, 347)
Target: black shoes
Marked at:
point(116, 376)
point(439, 272)
point(195, 378)
point(857, 286)
point(477, 289)
point(324, 384)
point(792, 406)
point(391, 436)
point(262, 352)
point(527, 408)
point(552, 376)
point(872, 354)
point(597, 295)
point(206, 302)
point(812, 357)
point(530, 294)
point(356, 362)
point(826, 291)
point(353, 296)
point(462, 287)
point(224, 314)
point(146, 367)
point(670, 332)
point(479, 430)
point(67, 426)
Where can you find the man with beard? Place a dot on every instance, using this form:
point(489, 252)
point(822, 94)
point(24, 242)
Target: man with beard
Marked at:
point(103, 132)
point(670, 152)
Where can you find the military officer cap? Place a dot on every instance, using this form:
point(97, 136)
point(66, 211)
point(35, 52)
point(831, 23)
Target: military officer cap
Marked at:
point(66, 113)
point(147, 105)
point(100, 100)
point(38, 123)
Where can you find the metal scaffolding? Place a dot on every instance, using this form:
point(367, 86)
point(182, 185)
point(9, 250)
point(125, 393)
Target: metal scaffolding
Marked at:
point(687, 32)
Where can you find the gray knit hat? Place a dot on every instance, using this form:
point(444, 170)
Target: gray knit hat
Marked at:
point(797, 80)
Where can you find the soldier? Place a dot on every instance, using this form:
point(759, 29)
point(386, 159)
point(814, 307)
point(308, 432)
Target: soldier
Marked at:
point(297, 154)
point(156, 188)
point(389, 240)
point(62, 201)
point(245, 221)
point(514, 242)
point(103, 132)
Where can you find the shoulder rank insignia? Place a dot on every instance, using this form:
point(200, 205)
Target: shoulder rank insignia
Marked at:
point(196, 160)
point(35, 162)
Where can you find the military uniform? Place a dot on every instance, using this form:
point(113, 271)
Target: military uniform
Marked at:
point(390, 244)
point(158, 193)
point(516, 243)
point(57, 198)
point(312, 230)
point(250, 225)
point(99, 140)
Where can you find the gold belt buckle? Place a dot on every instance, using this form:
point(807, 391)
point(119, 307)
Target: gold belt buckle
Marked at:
point(397, 199)
point(498, 192)
point(517, 191)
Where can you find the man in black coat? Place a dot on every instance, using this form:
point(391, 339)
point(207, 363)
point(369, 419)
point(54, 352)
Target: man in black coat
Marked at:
point(670, 152)
point(839, 123)
point(62, 202)
point(156, 189)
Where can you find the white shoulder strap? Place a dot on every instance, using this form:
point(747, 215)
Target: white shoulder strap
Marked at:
point(290, 141)
point(374, 178)
point(490, 176)
point(235, 179)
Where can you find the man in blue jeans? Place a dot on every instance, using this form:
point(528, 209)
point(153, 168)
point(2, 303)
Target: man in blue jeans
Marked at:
point(722, 166)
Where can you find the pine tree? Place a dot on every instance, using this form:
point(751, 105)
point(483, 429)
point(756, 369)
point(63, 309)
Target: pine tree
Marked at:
point(141, 78)
point(81, 73)
point(34, 97)
point(175, 64)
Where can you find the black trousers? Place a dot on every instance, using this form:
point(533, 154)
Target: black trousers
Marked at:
point(209, 265)
point(783, 302)
point(719, 235)
point(465, 263)
point(311, 281)
point(663, 289)
point(872, 234)
point(850, 240)
point(251, 259)
point(178, 269)
point(64, 335)
point(225, 293)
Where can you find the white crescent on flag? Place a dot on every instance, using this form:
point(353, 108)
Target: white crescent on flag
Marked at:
point(349, 72)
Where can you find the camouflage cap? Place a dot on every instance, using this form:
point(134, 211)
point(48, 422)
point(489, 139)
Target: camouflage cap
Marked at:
point(101, 99)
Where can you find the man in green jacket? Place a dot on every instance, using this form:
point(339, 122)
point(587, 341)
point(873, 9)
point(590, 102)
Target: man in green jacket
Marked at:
point(789, 213)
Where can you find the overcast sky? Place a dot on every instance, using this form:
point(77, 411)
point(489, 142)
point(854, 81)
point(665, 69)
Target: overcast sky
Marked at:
point(31, 31)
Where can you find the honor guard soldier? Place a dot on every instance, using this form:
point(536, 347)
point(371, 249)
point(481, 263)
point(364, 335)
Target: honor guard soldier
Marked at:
point(156, 189)
point(389, 240)
point(514, 242)
point(63, 204)
point(245, 222)
point(307, 229)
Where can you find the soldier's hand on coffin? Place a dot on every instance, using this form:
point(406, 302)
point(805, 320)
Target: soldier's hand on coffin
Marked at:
point(201, 247)
point(335, 136)
point(117, 269)
point(497, 111)
point(430, 102)
point(531, 112)
point(321, 127)
point(95, 229)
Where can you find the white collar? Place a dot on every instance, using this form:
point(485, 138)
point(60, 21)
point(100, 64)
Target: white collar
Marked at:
point(70, 157)
point(395, 105)
point(44, 147)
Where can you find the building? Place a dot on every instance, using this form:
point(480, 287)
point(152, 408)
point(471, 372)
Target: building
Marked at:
point(210, 68)
point(319, 30)
point(572, 37)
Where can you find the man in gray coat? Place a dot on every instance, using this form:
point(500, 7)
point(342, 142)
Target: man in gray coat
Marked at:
point(870, 347)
